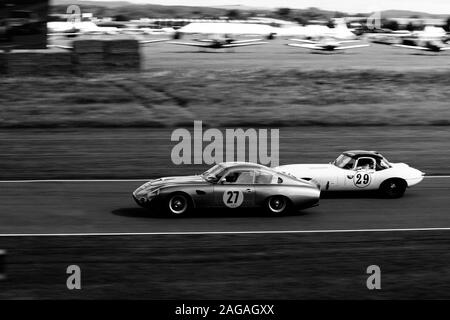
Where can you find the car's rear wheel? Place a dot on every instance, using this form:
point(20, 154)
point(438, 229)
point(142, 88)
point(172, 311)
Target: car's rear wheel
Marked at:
point(178, 205)
point(393, 188)
point(277, 205)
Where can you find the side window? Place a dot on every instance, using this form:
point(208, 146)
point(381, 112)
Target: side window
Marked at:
point(239, 177)
point(263, 177)
point(365, 164)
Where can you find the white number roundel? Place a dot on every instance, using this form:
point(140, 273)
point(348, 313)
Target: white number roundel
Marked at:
point(233, 198)
point(361, 179)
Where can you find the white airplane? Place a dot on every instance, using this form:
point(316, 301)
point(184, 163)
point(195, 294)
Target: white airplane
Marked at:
point(326, 44)
point(323, 38)
point(137, 30)
point(431, 32)
point(221, 35)
point(341, 31)
point(426, 45)
point(430, 39)
point(220, 43)
point(229, 28)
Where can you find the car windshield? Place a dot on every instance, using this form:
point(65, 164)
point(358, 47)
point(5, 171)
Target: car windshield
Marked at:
point(216, 171)
point(382, 164)
point(344, 162)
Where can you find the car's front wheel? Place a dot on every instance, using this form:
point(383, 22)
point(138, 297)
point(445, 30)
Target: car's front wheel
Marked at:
point(178, 205)
point(393, 188)
point(277, 205)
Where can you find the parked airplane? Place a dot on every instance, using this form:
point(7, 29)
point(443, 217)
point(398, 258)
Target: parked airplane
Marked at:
point(226, 28)
point(426, 45)
point(326, 44)
point(430, 39)
point(222, 35)
point(431, 32)
point(341, 31)
point(221, 43)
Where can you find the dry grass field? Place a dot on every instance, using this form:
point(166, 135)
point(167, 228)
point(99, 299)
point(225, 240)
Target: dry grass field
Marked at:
point(229, 98)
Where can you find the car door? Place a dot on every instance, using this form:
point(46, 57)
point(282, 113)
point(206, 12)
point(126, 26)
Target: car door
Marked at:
point(203, 195)
point(235, 189)
point(362, 175)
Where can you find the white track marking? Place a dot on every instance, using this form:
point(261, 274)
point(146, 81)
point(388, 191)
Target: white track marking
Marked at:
point(96, 234)
point(123, 180)
point(437, 177)
point(75, 180)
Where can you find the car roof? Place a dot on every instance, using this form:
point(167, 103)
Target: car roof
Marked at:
point(242, 165)
point(362, 153)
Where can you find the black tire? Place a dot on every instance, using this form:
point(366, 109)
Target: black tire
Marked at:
point(178, 204)
point(393, 188)
point(277, 205)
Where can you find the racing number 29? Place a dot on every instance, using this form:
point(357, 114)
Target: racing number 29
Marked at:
point(362, 179)
point(232, 197)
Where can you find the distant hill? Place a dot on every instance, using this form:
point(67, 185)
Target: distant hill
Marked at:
point(411, 14)
point(243, 8)
point(106, 4)
point(138, 10)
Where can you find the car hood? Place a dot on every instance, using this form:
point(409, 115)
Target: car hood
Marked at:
point(168, 181)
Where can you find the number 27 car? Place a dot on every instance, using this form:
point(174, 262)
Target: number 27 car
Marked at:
point(232, 185)
point(359, 170)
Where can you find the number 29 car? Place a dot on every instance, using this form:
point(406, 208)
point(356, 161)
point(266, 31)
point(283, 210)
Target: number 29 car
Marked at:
point(229, 185)
point(359, 170)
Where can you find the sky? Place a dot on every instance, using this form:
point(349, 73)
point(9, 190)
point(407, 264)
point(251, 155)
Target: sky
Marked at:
point(350, 6)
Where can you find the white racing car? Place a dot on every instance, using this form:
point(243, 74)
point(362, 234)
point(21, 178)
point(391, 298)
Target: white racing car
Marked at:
point(359, 170)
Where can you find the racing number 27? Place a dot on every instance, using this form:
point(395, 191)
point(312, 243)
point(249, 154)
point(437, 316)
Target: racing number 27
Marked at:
point(233, 197)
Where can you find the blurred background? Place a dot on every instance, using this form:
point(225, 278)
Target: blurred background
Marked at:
point(108, 73)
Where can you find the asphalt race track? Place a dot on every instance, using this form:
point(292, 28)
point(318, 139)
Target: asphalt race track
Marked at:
point(167, 263)
point(91, 207)
point(140, 153)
